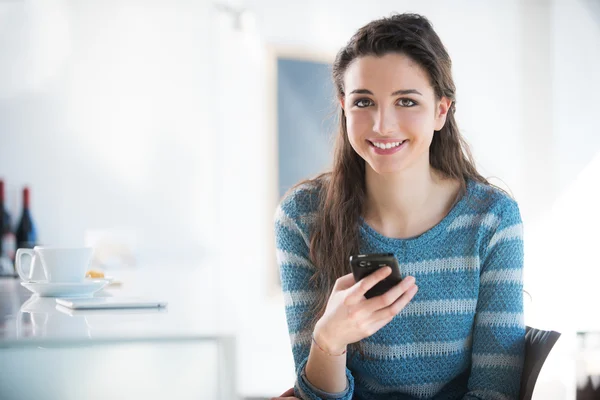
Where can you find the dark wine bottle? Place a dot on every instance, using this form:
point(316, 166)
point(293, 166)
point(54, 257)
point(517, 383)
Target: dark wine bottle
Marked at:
point(26, 233)
point(7, 238)
point(2, 218)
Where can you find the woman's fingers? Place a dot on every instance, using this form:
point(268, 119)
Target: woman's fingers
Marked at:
point(287, 395)
point(388, 298)
point(357, 292)
point(289, 392)
point(389, 312)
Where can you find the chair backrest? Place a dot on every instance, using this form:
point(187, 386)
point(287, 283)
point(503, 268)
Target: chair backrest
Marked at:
point(538, 344)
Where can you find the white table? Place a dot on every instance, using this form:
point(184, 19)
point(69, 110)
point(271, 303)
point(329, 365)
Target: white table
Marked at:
point(180, 352)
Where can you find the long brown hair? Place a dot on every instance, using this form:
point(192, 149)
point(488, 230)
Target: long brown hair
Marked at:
point(335, 233)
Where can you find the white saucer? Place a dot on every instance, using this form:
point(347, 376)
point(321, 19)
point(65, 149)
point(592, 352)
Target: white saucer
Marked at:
point(79, 289)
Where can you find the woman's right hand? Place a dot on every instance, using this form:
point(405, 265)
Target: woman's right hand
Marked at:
point(350, 316)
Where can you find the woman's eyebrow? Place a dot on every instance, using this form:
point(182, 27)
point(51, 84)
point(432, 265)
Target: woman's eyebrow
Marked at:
point(396, 93)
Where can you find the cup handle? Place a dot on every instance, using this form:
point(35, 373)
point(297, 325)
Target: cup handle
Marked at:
point(18, 267)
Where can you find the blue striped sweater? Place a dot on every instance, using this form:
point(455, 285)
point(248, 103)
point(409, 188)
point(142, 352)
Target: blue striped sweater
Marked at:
point(461, 337)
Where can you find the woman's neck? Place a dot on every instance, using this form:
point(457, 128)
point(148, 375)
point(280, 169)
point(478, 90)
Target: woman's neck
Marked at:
point(407, 203)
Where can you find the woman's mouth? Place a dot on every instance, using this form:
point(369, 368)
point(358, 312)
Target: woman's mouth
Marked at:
point(385, 148)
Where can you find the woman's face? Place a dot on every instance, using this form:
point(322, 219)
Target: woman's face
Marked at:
point(391, 112)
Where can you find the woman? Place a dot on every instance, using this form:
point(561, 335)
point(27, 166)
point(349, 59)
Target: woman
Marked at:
point(402, 182)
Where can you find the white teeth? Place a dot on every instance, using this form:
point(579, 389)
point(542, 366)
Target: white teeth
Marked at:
point(387, 145)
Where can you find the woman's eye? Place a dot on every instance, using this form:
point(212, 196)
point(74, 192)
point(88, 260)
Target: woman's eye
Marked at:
point(362, 103)
point(406, 103)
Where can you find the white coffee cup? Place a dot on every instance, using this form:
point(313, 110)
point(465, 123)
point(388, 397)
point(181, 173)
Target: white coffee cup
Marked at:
point(58, 264)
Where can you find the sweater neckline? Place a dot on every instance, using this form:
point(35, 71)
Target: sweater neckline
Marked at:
point(426, 236)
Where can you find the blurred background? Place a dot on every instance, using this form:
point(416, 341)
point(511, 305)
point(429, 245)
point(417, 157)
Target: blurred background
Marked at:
point(164, 133)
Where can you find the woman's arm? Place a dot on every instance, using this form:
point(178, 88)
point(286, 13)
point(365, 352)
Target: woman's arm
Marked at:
point(326, 365)
point(499, 331)
point(331, 377)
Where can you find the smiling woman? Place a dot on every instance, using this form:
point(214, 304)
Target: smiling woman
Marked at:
point(403, 182)
point(383, 122)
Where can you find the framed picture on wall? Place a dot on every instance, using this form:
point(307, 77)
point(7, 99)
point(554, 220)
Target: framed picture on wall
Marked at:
point(303, 121)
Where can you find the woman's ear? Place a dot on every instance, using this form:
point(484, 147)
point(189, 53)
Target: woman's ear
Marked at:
point(342, 102)
point(442, 113)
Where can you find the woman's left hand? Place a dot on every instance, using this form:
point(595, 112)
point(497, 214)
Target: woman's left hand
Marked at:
point(287, 395)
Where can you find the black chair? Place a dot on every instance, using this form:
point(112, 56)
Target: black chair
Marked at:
point(538, 344)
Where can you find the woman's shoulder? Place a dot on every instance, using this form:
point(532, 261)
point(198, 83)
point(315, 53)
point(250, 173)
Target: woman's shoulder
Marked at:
point(303, 199)
point(486, 198)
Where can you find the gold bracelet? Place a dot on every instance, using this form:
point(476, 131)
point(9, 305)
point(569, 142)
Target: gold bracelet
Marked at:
point(323, 350)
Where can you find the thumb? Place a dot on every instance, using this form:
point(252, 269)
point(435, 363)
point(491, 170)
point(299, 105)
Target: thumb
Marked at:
point(344, 282)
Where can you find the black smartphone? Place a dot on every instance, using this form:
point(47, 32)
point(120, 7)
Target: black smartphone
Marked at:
point(365, 264)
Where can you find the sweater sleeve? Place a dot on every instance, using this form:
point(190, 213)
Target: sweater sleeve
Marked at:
point(295, 272)
point(499, 330)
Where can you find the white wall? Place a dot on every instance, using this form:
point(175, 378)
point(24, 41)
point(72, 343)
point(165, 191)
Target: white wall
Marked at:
point(565, 241)
point(106, 111)
point(565, 237)
point(153, 116)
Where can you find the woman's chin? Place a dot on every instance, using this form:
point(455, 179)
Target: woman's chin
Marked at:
point(386, 169)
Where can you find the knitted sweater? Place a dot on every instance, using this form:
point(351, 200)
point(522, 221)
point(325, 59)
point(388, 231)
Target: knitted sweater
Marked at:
point(461, 337)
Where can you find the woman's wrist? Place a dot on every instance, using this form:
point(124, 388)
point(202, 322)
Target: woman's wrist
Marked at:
point(326, 343)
